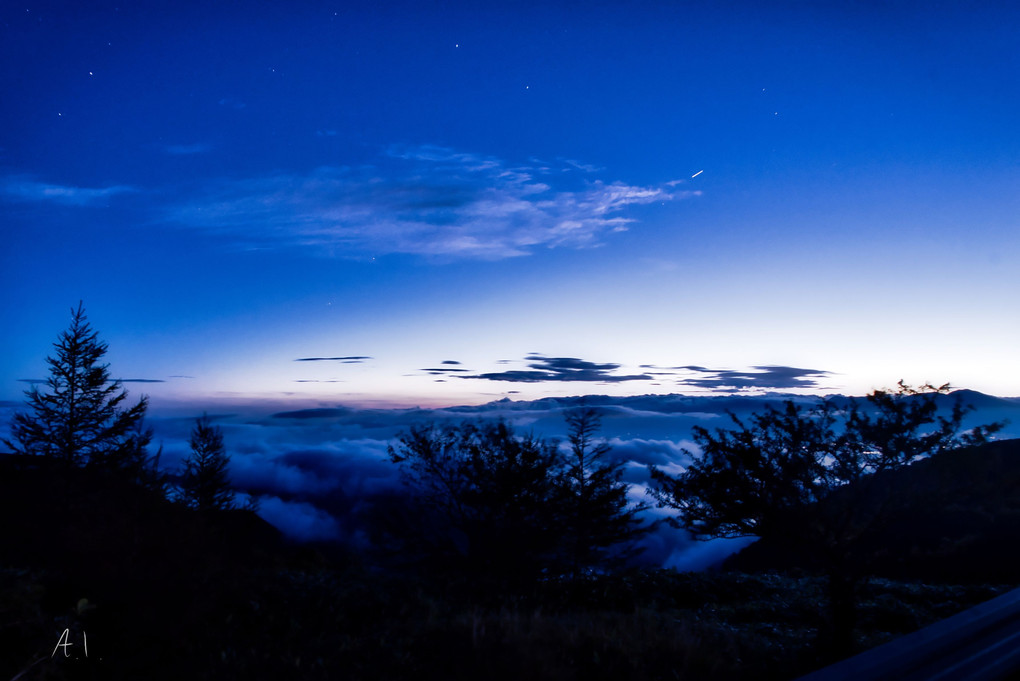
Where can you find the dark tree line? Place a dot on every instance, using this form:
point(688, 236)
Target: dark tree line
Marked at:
point(808, 479)
point(496, 503)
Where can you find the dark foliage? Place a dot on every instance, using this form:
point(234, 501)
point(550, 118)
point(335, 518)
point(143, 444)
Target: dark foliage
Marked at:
point(600, 524)
point(78, 419)
point(164, 592)
point(763, 478)
point(487, 497)
point(142, 577)
point(950, 520)
point(493, 502)
point(205, 485)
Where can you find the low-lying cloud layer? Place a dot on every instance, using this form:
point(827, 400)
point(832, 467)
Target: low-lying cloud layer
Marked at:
point(317, 470)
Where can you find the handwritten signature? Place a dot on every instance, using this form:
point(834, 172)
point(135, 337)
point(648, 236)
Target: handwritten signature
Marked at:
point(65, 642)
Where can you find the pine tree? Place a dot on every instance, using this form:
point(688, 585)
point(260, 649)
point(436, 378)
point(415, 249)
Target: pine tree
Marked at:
point(205, 483)
point(600, 524)
point(77, 420)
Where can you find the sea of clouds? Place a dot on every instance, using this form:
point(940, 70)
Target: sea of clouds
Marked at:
point(316, 470)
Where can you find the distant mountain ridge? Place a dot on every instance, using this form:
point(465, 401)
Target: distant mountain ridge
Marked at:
point(646, 415)
point(987, 408)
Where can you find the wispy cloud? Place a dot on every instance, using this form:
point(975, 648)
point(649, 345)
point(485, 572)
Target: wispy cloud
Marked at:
point(27, 189)
point(355, 359)
point(585, 167)
point(35, 381)
point(439, 371)
point(424, 200)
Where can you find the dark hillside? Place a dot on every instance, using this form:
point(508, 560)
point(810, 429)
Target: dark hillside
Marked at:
point(954, 517)
point(166, 592)
point(123, 564)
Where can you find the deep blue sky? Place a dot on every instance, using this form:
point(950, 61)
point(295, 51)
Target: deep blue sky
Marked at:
point(550, 198)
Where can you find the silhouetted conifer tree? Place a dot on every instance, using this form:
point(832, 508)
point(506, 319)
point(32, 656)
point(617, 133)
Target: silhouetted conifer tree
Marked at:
point(77, 419)
point(599, 523)
point(205, 485)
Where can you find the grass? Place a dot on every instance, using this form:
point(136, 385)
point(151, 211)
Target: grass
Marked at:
point(325, 622)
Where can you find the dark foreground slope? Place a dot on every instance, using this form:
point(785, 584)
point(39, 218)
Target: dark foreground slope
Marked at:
point(158, 591)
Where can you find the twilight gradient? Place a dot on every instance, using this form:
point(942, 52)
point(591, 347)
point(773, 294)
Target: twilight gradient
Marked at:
point(536, 199)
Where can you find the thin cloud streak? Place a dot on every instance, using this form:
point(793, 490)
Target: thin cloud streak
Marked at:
point(24, 189)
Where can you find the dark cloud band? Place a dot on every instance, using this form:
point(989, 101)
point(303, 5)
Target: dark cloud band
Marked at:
point(762, 377)
point(561, 369)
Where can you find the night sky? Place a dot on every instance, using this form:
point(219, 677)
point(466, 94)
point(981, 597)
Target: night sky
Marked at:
point(444, 203)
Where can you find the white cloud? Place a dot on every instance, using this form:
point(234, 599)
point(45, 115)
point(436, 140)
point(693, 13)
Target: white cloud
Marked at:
point(299, 520)
point(427, 200)
point(313, 469)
